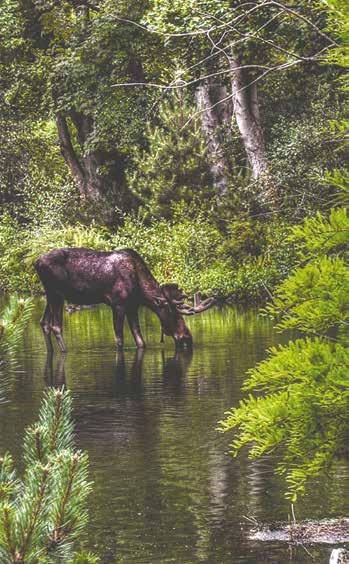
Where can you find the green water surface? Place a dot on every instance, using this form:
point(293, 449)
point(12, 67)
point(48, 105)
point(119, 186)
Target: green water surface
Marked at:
point(165, 487)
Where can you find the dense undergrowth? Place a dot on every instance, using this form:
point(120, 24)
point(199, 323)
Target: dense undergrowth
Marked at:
point(244, 261)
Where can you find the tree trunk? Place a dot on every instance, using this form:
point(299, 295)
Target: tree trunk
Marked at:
point(214, 121)
point(246, 110)
point(69, 154)
point(99, 187)
point(99, 174)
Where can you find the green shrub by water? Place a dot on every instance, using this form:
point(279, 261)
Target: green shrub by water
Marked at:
point(243, 261)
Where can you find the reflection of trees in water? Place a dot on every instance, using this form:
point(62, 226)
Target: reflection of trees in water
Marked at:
point(148, 420)
point(151, 430)
point(127, 377)
point(14, 317)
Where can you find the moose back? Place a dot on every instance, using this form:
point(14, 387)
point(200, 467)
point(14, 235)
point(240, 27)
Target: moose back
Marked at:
point(119, 279)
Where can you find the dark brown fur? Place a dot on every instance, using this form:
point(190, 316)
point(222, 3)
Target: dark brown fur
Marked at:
point(120, 279)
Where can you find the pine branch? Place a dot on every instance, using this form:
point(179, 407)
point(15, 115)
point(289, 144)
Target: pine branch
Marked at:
point(13, 321)
point(45, 513)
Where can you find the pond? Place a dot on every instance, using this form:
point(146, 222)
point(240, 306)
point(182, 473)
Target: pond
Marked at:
point(165, 487)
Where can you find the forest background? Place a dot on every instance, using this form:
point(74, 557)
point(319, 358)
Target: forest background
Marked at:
point(197, 133)
point(211, 137)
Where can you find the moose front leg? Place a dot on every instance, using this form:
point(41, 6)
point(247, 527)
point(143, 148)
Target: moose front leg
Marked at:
point(118, 321)
point(57, 327)
point(46, 323)
point(133, 321)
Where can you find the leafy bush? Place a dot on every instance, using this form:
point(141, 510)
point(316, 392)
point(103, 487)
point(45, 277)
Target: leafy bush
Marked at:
point(174, 167)
point(244, 262)
point(299, 154)
point(320, 234)
point(20, 246)
point(315, 299)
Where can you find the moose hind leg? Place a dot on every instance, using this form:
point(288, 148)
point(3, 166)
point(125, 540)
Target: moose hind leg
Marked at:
point(46, 325)
point(57, 328)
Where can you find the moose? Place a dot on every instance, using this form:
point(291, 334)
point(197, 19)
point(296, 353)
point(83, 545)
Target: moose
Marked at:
point(119, 279)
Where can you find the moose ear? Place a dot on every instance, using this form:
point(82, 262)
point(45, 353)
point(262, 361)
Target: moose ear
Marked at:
point(168, 290)
point(172, 292)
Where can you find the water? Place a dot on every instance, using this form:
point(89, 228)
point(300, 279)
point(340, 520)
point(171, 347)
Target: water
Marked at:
point(165, 487)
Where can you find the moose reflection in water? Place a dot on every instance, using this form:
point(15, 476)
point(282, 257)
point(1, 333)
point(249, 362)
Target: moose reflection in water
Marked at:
point(174, 370)
point(119, 279)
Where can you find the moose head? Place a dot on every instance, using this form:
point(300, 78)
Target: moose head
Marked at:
point(172, 307)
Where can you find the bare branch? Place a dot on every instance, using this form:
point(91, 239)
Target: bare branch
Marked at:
point(200, 31)
point(183, 83)
point(222, 25)
point(164, 34)
point(255, 35)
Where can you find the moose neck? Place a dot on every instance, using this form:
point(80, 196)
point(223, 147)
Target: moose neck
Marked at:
point(150, 289)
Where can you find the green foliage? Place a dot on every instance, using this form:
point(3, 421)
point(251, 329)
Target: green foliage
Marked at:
point(303, 418)
point(43, 514)
point(20, 247)
point(314, 299)
point(63, 58)
point(175, 166)
point(243, 262)
point(339, 24)
point(340, 180)
point(321, 234)
point(13, 320)
point(301, 149)
point(302, 414)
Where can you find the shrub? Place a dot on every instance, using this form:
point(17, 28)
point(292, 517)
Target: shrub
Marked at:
point(191, 251)
point(174, 166)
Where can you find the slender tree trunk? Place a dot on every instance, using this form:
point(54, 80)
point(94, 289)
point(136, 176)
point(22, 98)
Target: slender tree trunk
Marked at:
point(246, 110)
point(102, 188)
point(214, 121)
point(69, 154)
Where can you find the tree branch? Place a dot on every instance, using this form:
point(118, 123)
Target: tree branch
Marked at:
point(68, 152)
point(178, 84)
